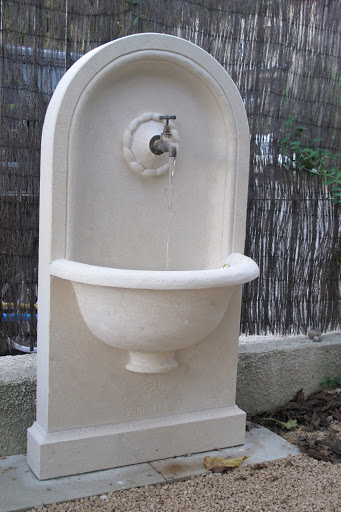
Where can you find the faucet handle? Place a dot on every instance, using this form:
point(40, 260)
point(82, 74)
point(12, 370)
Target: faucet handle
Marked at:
point(167, 117)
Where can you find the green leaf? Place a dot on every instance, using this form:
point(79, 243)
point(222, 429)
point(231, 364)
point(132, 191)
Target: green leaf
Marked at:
point(289, 425)
point(289, 121)
point(285, 139)
point(331, 181)
point(331, 383)
point(285, 152)
point(299, 130)
point(334, 171)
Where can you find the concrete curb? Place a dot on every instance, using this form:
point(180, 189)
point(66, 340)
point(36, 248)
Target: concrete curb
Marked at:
point(17, 401)
point(270, 372)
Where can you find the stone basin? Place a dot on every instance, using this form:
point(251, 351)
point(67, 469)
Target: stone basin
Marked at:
point(151, 314)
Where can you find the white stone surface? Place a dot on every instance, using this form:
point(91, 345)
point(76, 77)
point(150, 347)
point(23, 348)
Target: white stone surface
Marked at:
point(136, 145)
point(95, 211)
point(69, 452)
point(154, 313)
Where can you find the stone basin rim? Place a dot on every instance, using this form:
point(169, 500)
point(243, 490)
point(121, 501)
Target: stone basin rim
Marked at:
point(241, 269)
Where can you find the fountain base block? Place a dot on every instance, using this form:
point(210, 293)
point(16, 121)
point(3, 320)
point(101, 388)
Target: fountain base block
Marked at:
point(88, 449)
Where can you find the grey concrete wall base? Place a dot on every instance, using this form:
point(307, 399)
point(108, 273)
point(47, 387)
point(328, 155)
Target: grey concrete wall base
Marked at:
point(270, 372)
point(17, 401)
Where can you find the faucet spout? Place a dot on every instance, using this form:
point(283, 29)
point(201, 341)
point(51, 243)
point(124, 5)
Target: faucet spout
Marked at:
point(164, 143)
point(172, 150)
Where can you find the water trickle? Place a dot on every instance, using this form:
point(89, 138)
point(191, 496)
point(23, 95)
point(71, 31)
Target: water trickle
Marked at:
point(170, 207)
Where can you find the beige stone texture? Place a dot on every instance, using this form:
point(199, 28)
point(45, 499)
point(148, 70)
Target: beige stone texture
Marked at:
point(93, 412)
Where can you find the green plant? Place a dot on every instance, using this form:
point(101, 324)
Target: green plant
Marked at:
point(331, 383)
point(288, 425)
point(301, 154)
point(137, 17)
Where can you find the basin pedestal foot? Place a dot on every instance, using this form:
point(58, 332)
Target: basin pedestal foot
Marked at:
point(151, 362)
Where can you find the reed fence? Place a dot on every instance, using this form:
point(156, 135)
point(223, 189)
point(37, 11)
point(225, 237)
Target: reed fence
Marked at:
point(283, 55)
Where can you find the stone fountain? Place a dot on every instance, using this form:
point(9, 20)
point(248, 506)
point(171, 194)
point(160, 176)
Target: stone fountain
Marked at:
point(144, 177)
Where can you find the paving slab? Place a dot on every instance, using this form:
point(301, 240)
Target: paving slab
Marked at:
point(21, 490)
point(261, 445)
point(181, 468)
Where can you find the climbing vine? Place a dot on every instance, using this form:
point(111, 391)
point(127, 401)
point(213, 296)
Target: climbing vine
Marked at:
point(302, 154)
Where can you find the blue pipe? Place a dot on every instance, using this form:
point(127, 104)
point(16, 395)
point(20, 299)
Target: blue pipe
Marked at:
point(12, 317)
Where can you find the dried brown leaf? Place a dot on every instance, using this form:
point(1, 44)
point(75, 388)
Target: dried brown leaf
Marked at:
point(220, 464)
point(299, 397)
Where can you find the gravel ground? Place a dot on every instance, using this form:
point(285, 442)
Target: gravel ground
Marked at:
point(295, 484)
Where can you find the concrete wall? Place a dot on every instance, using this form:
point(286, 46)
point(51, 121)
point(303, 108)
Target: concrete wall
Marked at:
point(17, 401)
point(270, 372)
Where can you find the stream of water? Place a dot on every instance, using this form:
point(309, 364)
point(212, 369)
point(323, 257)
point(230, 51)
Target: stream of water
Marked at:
point(170, 207)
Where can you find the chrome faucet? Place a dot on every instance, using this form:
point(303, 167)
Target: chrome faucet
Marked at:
point(164, 143)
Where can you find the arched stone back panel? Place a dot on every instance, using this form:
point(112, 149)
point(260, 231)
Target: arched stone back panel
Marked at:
point(119, 219)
